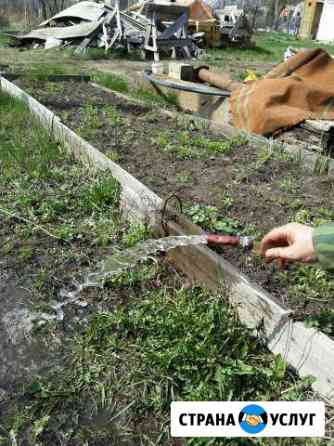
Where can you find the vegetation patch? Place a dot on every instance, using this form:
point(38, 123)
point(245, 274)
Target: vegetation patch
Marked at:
point(226, 185)
point(116, 361)
point(121, 85)
point(187, 145)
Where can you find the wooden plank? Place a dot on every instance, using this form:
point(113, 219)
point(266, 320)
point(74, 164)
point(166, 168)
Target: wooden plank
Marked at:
point(310, 352)
point(305, 349)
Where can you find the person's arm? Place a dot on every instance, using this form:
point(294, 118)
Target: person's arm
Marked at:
point(300, 243)
point(323, 241)
point(292, 242)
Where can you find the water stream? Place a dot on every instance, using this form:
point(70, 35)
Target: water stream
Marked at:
point(119, 262)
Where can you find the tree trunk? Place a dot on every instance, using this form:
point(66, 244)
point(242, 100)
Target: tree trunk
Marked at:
point(276, 14)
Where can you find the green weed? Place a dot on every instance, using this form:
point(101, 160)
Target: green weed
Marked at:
point(41, 71)
point(272, 152)
point(288, 184)
point(188, 145)
point(136, 232)
point(90, 121)
point(323, 321)
point(4, 41)
point(321, 165)
point(92, 54)
point(112, 81)
point(113, 116)
point(208, 218)
point(102, 194)
point(183, 178)
point(313, 217)
point(307, 283)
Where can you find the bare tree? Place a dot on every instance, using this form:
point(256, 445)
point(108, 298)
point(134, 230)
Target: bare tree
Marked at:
point(277, 8)
point(252, 9)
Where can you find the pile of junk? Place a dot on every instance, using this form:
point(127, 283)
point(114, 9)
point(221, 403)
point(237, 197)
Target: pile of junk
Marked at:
point(160, 27)
point(292, 103)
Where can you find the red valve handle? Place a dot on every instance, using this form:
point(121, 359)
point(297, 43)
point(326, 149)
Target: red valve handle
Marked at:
point(215, 239)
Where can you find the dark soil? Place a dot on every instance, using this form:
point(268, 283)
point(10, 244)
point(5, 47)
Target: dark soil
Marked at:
point(266, 191)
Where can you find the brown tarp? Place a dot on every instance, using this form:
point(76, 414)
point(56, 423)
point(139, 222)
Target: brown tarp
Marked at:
point(299, 89)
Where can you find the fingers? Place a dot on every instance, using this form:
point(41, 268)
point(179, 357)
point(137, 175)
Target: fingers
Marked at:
point(289, 243)
point(276, 237)
point(288, 253)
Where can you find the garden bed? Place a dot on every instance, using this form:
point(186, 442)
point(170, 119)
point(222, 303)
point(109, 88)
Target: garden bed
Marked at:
point(226, 185)
point(107, 372)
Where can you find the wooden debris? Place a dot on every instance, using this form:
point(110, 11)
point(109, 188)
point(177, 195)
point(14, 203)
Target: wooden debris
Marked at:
point(313, 135)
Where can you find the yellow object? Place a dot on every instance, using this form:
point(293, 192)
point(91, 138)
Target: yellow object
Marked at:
point(251, 76)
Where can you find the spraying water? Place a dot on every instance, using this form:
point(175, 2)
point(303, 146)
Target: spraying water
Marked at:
point(119, 262)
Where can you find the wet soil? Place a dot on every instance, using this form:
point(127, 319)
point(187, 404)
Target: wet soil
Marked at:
point(35, 344)
point(266, 191)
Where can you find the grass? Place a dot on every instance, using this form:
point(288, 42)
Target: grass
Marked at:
point(112, 81)
point(120, 84)
point(48, 193)
point(40, 72)
point(4, 40)
point(269, 49)
point(41, 62)
point(144, 340)
point(130, 363)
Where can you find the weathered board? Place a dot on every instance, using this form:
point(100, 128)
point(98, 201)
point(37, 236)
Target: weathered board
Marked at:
point(306, 350)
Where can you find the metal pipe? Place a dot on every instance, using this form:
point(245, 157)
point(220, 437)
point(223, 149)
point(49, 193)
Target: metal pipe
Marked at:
point(230, 240)
point(223, 82)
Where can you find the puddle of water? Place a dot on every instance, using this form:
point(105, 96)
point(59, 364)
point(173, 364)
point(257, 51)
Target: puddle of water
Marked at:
point(120, 261)
point(23, 353)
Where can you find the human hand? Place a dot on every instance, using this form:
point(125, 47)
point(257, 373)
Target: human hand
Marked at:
point(290, 243)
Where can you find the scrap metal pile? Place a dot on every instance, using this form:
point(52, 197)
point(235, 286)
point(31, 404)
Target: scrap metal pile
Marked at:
point(234, 27)
point(169, 27)
point(158, 26)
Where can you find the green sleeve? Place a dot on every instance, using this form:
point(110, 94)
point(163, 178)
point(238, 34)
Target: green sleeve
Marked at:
point(323, 240)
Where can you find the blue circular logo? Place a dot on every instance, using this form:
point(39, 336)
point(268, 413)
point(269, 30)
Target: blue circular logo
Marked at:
point(253, 419)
